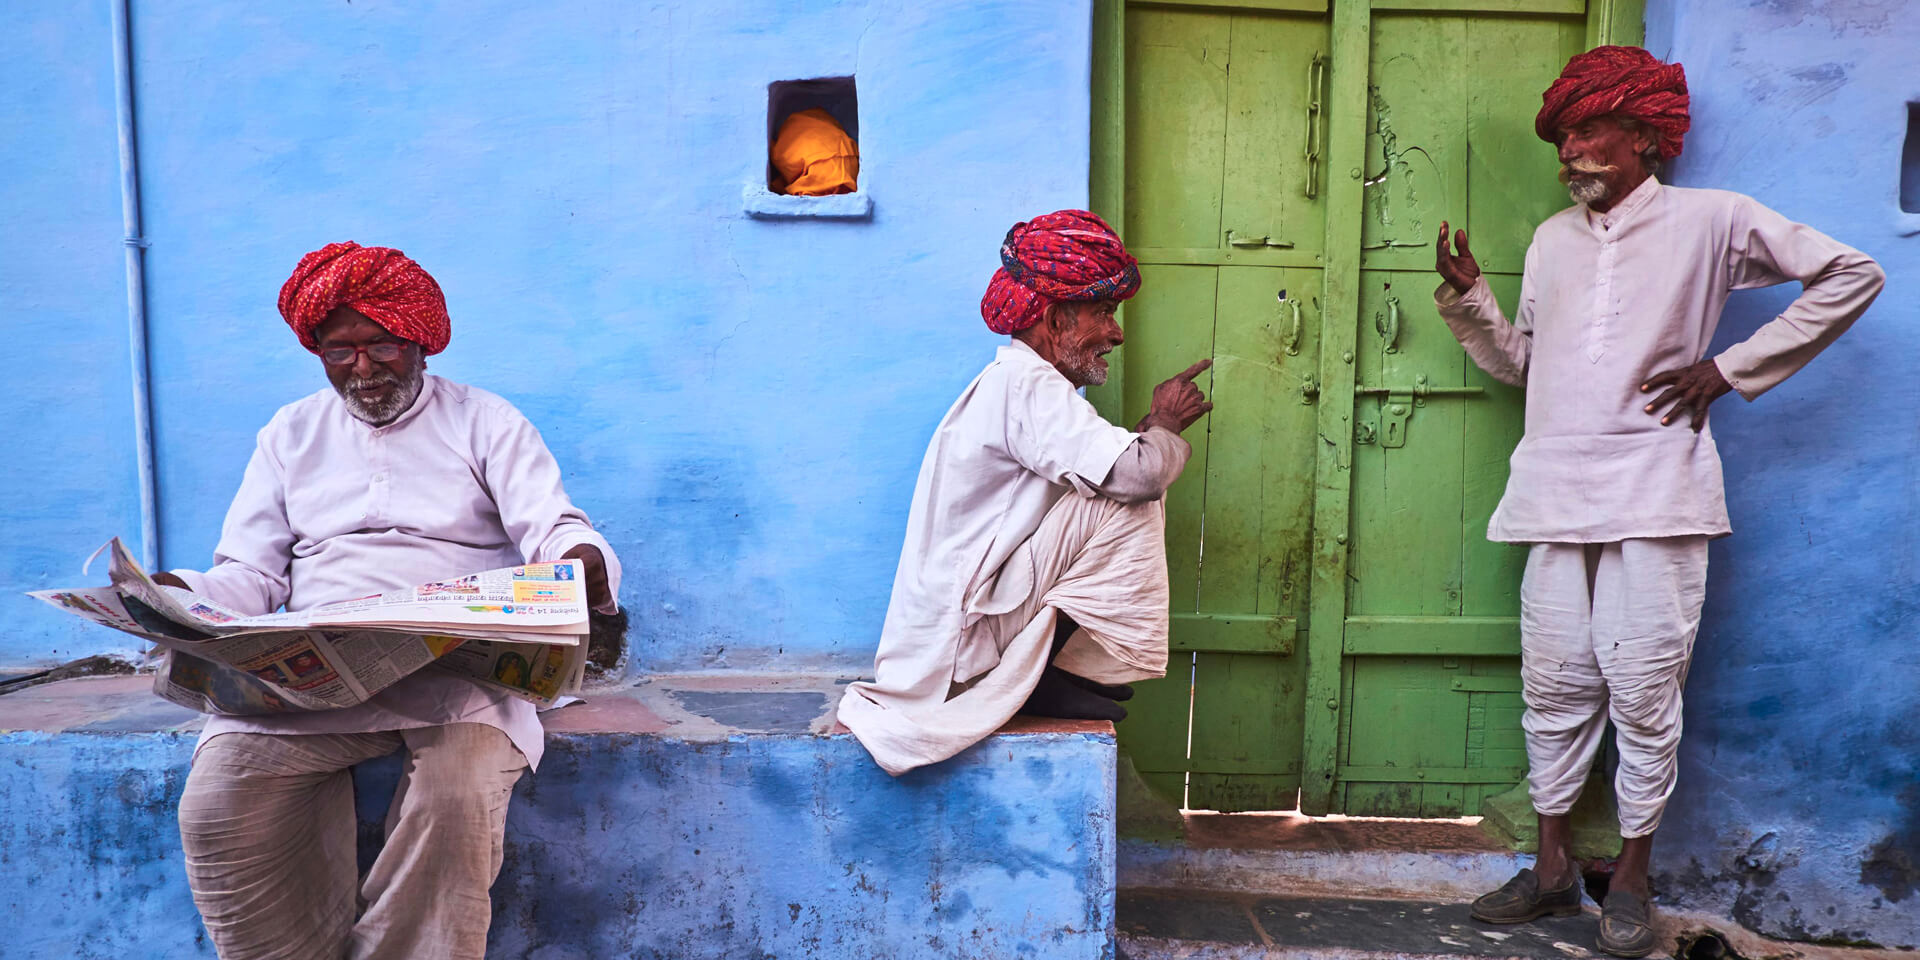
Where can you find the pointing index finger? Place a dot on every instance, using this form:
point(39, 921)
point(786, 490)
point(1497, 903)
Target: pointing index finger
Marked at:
point(1194, 371)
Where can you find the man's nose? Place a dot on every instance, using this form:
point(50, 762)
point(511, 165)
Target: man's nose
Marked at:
point(1567, 152)
point(362, 365)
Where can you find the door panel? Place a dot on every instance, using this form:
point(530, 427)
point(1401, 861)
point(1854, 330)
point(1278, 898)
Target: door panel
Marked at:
point(1176, 123)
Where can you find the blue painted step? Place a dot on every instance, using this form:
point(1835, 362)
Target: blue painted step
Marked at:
point(698, 817)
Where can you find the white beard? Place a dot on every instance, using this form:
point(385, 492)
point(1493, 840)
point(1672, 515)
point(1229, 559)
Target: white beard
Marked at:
point(1587, 191)
point(386, 411)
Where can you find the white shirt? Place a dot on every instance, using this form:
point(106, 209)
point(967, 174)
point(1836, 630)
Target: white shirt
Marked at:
point(1610, 299)
point(1018, 439)
point(333, 508)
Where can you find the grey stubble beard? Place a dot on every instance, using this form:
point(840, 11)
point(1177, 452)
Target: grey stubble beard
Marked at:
point(386, 411)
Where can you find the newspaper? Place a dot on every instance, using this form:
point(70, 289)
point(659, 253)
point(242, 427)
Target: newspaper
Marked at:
point(519, 629)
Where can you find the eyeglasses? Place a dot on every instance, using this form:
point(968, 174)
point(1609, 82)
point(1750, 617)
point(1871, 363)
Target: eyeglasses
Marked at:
point(386, 351)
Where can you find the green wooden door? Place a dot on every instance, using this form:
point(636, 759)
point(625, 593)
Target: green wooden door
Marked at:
point(1344, 637)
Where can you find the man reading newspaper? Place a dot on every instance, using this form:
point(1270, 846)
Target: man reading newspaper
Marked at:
point(391, 478)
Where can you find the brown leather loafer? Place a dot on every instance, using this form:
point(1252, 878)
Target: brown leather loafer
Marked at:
point(1626, 929)
point(1521, 899)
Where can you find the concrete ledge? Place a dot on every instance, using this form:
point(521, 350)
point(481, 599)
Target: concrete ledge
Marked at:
point(686, 817)
point(758, 202)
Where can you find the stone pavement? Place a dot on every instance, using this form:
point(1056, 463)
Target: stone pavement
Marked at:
point(1269, 886)
point(1154, 924)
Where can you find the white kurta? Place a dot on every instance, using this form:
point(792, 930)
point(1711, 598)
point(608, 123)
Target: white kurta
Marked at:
point(1610, 299)
point(332, 508)
point(1017, 441)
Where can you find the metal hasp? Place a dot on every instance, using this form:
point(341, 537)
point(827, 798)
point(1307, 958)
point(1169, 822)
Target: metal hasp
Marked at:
point(1400, 401)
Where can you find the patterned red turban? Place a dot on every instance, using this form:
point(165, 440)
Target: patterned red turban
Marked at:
point(1625, 80)
point(1065, 255)
point(378, 281)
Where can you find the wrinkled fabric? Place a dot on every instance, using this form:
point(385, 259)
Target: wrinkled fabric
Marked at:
point(332, 508)
point(1618, 80)
point(377, 281)
point(1610, 299)
point(1067, 255)
point(1099, 561)
point(1606, 631)
point(268, 828)
point(814, 157)
point(1017, 440)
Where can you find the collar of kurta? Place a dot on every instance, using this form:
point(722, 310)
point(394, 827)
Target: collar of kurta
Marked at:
point(1620, 213)
point(428, 383)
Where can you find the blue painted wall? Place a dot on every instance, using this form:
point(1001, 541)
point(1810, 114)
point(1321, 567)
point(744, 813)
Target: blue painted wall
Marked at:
point(740, 404)
point(67, 479)
point(799, 847)
point(1798, 807)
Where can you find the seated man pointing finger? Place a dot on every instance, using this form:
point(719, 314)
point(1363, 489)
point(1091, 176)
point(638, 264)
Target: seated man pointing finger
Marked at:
point(1033, 517)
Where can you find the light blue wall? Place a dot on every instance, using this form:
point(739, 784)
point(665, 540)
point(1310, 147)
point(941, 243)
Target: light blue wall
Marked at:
point(740, 404)
point(67, 479)
point(1799, 799)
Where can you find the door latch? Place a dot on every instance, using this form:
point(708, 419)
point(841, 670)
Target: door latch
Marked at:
point(1393, 418)
point(1397, 403)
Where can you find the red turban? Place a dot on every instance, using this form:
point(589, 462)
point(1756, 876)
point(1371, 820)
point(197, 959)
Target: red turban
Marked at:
point(1625, 80)
point(378, 281)
point(1066, 255)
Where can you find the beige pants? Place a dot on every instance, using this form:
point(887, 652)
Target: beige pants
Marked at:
point(1101, 562)
point(269, 831)
point(1606, 630)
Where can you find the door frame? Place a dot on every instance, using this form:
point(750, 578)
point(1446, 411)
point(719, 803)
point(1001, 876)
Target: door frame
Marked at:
point(1608, 22)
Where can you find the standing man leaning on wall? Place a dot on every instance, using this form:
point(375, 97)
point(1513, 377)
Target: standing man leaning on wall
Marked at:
point(387, 479)
point(1616, 483)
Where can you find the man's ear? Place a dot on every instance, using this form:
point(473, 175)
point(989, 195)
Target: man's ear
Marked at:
point(1644, 139)
point(1059, 315)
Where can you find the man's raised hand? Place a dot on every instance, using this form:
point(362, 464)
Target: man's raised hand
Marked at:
point(1177, 403)
point(1689, 389)
point(1459, 268)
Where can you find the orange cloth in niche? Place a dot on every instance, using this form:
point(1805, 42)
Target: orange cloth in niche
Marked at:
point(814, 157)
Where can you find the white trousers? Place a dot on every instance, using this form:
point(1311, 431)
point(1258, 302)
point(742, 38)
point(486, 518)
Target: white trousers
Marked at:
point(1606, 630)
point(1101, 562)
point(269, 830)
